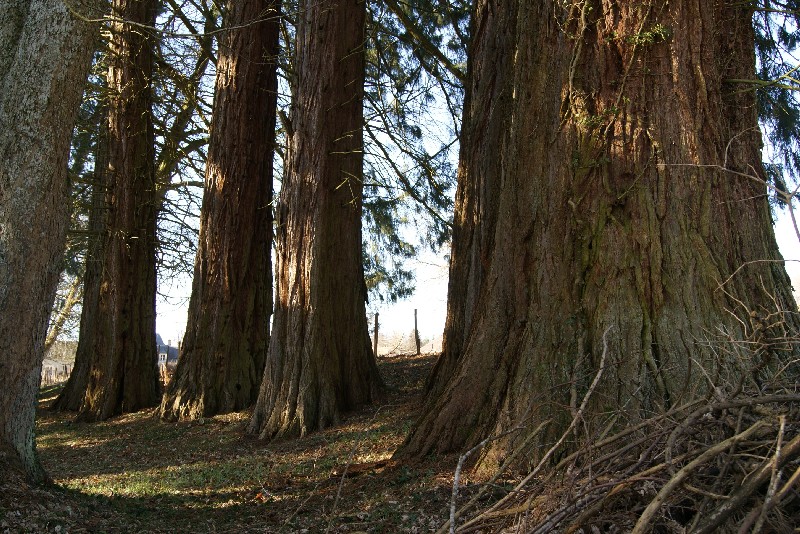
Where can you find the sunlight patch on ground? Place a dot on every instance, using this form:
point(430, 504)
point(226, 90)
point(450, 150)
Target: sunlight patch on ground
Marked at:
point(190, 476)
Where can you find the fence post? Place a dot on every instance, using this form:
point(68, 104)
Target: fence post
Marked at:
point(416, 332)
point(375, 337)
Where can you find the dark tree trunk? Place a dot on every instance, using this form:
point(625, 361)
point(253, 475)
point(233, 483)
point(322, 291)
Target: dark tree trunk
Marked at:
point(485, 127)
point(320, 362)
point(601, 235)
point(45, 55)
point(122, 374)
point(225, 346)
point(72, 395)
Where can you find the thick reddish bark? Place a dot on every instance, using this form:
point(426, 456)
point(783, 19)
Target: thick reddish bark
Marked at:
point(73, 393)
point(485, 128)
point(224, 349)
point(122, 374)
point(45, 54)
point(320, 362)
point(604, 236)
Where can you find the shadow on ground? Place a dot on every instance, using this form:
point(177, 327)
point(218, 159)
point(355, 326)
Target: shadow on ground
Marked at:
point(136, 474)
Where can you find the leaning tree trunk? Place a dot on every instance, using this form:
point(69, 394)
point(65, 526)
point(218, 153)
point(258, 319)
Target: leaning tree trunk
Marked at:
point(320, 362)
point(225, 346)
point(122, 374)
point(72, 395)
point(621, 235)
point(45, 54)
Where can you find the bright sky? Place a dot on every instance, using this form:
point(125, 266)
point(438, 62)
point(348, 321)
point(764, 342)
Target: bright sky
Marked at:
point(789, 243)
point(430, 297)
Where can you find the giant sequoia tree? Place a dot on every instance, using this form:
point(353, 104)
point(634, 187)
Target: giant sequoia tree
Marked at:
point(178, 139)
point(600, 220)
point(45, 54)
point(320, 362)
point(73, 392)
point(224, 349)
point(122, 372)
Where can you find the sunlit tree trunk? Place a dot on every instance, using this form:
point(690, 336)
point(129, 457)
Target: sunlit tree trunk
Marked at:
point(72, 395)
point(320, 362)
point(614, 239)
point(45, 54)
point(225, 346)
point(122, 374)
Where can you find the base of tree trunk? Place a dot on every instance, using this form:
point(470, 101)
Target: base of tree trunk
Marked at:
point(630, 263)
point(311, 392)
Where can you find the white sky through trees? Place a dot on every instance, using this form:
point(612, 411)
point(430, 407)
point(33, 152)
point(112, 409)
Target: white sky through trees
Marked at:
point(430, 296)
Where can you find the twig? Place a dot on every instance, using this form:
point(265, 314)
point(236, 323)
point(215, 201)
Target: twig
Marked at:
point(617, 488)
point(455, 514)
point(578, 416)
point(737, 403)
point(457, 476)
point(774, 478)
point(717, 516)
point(745, 264)
point(643, 524)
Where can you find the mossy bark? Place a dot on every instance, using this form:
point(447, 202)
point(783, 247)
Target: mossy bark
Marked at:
point(225, 346)
point(320, 361)
point(619, 228)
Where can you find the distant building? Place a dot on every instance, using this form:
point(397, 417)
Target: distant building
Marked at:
point(167, 354)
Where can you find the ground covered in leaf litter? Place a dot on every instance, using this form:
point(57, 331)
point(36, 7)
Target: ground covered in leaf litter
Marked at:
point(136, 474)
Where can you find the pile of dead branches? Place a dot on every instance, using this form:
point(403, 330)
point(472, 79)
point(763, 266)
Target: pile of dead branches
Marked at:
point(711, 466)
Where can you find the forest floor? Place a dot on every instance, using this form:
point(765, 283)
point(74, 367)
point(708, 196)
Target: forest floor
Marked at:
point(677, 471)
point(137, 474)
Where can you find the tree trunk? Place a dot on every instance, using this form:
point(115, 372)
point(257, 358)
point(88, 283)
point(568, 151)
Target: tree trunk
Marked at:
point(225, 346)
point(320, 362)
point(72, 395)
point(59, 319)
point(45, 55)
point(614, 233)
point(485, 126)
point(122, 374)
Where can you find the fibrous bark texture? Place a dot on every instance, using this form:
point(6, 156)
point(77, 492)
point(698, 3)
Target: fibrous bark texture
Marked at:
point(45, 54)
point(225, 346)
point(72, 395)
point(599, 220)
point(122, 374)
point(485, 126)
point(320, 362)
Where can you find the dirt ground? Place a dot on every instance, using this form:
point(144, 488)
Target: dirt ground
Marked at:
point(136, 474)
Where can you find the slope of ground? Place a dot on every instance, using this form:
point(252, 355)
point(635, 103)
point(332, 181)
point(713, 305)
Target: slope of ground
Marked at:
point(714, 465)
point(136, 474)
